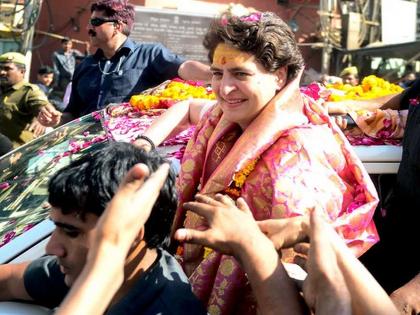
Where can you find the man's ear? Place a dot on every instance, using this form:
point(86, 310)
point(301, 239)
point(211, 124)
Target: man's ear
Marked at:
point(118, 26)
point(281, 77)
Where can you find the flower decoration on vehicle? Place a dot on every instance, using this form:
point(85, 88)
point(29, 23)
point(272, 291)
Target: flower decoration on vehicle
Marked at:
point(371, 87)
point(174, 91)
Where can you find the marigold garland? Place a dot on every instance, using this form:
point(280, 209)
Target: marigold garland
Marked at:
point(239, 178)
point(176, 90)
point(371, 87)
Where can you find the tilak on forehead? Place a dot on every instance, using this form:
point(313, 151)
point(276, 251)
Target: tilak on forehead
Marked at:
point(225, 53)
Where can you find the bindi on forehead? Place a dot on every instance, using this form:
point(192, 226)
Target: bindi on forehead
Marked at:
point(224, 54)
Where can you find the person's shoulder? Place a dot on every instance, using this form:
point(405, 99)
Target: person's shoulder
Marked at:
point(44, 282)
point(150, 46)
point(46, 266)
point(30, 86)
point(162, 289)
point(34, 92)
point(89, 59)
point(33, 87)
point(86, 63)
point(177, 294)
point(58, 52)
point(170, 267)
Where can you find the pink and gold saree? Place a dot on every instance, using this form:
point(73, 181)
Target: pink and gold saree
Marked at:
point(288, 160)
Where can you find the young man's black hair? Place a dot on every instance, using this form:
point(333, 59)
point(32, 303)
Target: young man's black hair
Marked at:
point(89, 183)
point(45, 70)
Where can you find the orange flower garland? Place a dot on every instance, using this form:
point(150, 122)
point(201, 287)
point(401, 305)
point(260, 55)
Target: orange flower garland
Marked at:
point(239, 178)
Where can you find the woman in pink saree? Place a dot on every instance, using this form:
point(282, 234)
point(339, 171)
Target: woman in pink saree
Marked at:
point(265, 141)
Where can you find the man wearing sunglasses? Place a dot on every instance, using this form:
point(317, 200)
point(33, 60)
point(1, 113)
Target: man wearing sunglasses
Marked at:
point(20, 101)
point(120, 67)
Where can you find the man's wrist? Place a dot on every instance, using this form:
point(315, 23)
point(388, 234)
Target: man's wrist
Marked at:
point(252, 246)
point(145, 143)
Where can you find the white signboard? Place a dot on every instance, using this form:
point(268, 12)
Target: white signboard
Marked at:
point(398, 21)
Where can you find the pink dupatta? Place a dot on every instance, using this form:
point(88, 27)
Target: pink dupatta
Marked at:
point(303, 160)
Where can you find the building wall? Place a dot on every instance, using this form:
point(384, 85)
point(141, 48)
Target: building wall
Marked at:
point(70, 17)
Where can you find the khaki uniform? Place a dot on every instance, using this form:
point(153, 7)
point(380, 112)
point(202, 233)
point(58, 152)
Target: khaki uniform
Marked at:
point(19, 104)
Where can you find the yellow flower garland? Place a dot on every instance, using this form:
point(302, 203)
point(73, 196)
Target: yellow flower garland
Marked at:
point(174, 91)
point(371, 87)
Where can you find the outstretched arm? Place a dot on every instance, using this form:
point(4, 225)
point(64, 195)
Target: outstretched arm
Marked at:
point(336, 276)
point(49, 116)
point(177, 118)
point(195, 70)
point(12, 285)
point(101, 277)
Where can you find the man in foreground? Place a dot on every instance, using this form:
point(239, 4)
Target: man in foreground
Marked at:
point(153, 281)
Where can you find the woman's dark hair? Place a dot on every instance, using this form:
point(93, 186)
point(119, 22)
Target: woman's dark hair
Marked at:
point(119, 10)
point(264, 35)
point(89, 183)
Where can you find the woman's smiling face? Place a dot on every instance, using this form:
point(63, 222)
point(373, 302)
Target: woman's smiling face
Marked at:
point(242, 85)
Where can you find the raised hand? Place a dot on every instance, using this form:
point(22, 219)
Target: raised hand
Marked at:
point(324, 289)
point(136, 197)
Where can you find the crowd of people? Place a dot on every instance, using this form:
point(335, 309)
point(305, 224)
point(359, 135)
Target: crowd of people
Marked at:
point(267, 178)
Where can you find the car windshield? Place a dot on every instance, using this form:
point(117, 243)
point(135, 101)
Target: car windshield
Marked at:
point(25, 172)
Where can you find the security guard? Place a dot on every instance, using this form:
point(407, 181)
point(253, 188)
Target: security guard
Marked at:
point(350, 75)
point(20, 101)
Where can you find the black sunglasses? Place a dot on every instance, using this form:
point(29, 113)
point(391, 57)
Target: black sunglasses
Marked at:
point(100, 21)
